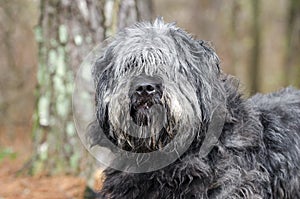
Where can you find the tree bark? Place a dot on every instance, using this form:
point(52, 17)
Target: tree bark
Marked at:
point(235, 8)
point(292, 63)
point(67, 31)
point(256, 50)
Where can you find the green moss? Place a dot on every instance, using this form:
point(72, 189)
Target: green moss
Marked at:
point(43, 151)
point(43, 110)
point(58, 84)
point(78, 40)
point(38, 34)
point(52, 60)
point(53, 42)
point(62, 105)
point(7, 153)
point(70, 129)
point(74, 160)
point(61, 61)
point(63, 34)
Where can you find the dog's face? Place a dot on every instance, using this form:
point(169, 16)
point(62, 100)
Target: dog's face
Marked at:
point(154, 82)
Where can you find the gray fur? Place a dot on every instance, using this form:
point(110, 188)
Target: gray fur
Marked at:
point(258, 152)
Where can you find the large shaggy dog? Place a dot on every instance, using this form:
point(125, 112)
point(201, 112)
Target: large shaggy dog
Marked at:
point(157, 88)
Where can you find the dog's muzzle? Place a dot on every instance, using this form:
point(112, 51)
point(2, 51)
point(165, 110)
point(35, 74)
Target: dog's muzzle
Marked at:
point(145, 91)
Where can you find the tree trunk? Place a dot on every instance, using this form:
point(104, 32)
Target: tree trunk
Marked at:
point(67, 31)
point(292, 63)
point(255, 55)
point(235, 8)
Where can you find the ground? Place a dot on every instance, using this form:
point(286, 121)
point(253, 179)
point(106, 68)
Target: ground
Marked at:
point(14, 186)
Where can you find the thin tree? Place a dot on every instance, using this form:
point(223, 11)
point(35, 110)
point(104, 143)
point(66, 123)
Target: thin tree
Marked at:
point(292, 63)
point(256, 48)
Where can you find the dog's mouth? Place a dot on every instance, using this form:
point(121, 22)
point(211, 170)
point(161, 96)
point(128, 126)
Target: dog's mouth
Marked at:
point(144, 105)
point(140, 112)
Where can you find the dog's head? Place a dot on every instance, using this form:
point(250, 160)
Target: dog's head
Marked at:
point(154, 82)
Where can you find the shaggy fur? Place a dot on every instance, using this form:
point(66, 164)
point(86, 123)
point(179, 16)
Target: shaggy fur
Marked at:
point(258, 152)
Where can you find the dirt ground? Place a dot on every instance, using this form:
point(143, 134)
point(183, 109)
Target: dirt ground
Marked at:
point(43, 187)
point(14, 186)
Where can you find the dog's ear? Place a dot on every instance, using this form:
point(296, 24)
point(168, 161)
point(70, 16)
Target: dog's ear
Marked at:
point(209, 87)
point(103, 75)
point(211, 54)
point(103, 64)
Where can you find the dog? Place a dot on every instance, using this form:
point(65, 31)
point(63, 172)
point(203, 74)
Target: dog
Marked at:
point(182, 126)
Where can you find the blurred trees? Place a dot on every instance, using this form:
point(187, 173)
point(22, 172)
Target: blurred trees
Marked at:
point(17, 65)
point(66, 32)
point(292, 71)
point(230, 26)
point(255, 54)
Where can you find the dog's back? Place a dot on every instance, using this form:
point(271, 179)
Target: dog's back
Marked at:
point(280, 116)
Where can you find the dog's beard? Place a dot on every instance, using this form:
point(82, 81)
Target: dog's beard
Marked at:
point(153, 125)
point(147, 111)
point(144, 129)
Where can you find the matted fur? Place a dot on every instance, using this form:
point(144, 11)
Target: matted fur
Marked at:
point(258, 152)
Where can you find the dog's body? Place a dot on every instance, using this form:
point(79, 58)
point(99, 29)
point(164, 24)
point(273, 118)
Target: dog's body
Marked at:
point(257, 154)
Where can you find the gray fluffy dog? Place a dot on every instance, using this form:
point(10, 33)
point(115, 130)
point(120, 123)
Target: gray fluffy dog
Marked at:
point(256, 154)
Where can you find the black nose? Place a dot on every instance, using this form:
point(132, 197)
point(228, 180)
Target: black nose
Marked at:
point(147, 86)
point(148, 89)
